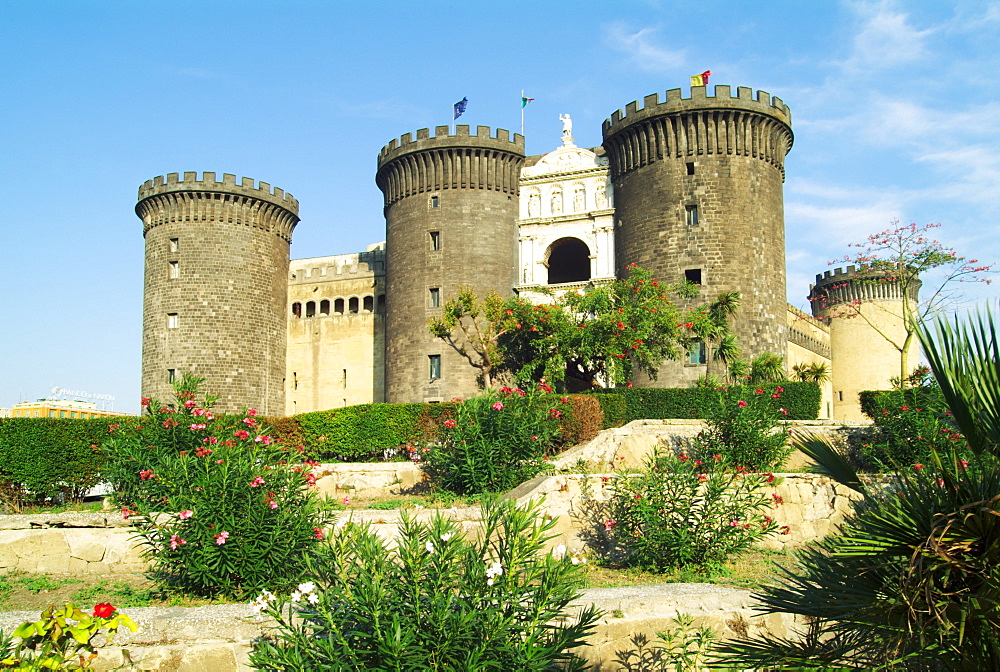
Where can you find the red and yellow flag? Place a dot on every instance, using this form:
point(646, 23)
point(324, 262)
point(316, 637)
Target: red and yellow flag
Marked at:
point(700, 80)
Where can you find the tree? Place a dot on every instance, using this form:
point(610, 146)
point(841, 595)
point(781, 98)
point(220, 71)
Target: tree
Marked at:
point(905, 256)
point(596, 336)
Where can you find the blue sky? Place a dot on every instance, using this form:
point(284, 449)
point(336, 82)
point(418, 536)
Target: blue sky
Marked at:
point(895, 111)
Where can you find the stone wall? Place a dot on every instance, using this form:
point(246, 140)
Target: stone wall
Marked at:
point(69, 543)
point(219, 638)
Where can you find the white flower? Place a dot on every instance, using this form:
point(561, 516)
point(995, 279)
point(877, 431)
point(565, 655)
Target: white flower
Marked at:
point(313, 598)
point(493, 571)
point(447, 535)
point(307, 587)
point(296, 596)
point(575, 560)
point(559, 552)
point(429, 546)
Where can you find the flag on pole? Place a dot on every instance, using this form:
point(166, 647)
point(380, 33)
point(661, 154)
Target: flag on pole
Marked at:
point(700, 80)
point(525, 100)
point(460, 108)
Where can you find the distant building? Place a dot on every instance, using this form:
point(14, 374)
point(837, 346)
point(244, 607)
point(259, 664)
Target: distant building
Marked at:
point(58, 408)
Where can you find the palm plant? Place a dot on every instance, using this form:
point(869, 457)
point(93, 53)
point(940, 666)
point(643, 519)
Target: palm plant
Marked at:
point(912, 579)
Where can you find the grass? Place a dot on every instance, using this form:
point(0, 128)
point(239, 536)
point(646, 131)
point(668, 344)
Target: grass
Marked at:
point(747, 572)
point(84, 506)
point(439, 500)
point(34, 592)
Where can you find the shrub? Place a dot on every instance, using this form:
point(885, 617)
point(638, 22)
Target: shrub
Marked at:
point(496, 441)
point(222, 508)
point(582, 421)
point(679, 512)
point(360, 433)
point(60, 638)
point(801, 400)
point(50, 458)
point(742, 427)
point(436, 601)
point(910, 427)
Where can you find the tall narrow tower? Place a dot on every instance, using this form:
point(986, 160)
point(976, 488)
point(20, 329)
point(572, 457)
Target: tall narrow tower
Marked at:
point(698, 196)
point(864, 310)
point(216, 285)
point(451, 207)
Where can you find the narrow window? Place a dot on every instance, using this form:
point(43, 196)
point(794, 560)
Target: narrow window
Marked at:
point(352, 304)
point(175, 244)
point(295, 381)
point(435, 202)
point(171, 375)
point(435, 297)
point(173, 321)
point(174, 270)
point(297, 309)
point(52, 414)
point(324, 307)
point(381, 304)
point(338, 306)
point(310, 308)
point(690, 167)
point(693, 275)
point(62, 414)
point(691, 215)
point(369, 303)
point(345, 379)
point(435, 240)
point(697, 354)
point(435, 366)
point(840, 395)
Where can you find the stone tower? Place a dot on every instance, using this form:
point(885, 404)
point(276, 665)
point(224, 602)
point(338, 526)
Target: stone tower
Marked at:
point(863, 309)
point(698, 196)
point(451, 207)
point(216, 286)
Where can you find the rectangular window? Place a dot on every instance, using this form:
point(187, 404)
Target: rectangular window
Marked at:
point(171, 375)
point(693, 275)
point(435, 202)
point(174, 270)
point(690, 167)
point(175, 244)
point(435, 366)
point(691, 215)
point(697, 354)
point(62, 414)
point(52, 414)
point(435, 240)
point(173, 321)
point(840, 395)
point(345, 379)
point(435, 297)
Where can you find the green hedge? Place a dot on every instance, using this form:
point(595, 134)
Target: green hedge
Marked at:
point(873, 402)
point(801, 400)
point(365, 431)
point(44, 458)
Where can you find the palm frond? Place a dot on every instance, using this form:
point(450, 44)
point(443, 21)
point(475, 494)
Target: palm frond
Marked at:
point(829, 461)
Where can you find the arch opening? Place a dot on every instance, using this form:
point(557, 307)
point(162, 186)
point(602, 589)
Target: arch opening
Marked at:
point(569, 261)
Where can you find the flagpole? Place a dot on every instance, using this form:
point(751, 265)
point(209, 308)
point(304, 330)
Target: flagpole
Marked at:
point(522, 113)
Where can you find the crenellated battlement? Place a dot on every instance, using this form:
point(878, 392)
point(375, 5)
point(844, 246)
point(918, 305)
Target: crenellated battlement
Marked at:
point(461, 160)
point(856, 285)
point(702, 125)
point(443, 138)
point(369, 264)
point(247, 186)
point(653, 105)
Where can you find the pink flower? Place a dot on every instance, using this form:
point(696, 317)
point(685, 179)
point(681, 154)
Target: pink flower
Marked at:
point(176, 541)
point(758, 391)
point(170, 422)
point(564, 400)
point(609, 524)
point(249, 422)
point(783, 411)
point(742, 404)
point(266, 440)
point(555, 413)
point(198, 411)
point(963, 464)
point(252, 412)
point(734, 523)
point(498, 406)
point(195, 428)
point(146, 474)
point(918, 467)
point(449, 423)
point(273, 504)
point(256, 482)
point(534, 438)
point(347, 500)
point(221, 537)
point(318, 533)
point(190, 403)
point(184, 515)
point(241, 434)
point(776, 395)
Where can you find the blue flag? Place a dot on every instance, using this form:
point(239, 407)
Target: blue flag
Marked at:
point(460, 108)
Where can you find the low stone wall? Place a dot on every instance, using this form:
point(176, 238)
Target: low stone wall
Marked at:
point(69, 543)
point(219, 638)
point(361, 478)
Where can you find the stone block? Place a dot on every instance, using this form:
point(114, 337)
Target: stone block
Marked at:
point(86, 545)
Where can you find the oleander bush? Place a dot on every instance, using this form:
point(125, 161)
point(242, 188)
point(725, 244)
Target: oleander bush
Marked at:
point(744, 429)
point(910, 424)
point(437, 600)
point(221, 508)
point(495, 441)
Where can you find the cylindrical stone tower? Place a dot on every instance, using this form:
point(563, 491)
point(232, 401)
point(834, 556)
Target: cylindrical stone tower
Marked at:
point(698, 196)
point(451, 207)
point(864, 310)
point(216, 285)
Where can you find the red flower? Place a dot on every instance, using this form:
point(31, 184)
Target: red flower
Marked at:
point(742, 404)
point(318, 533)
point(449, 423)
point(104, 610)
point(918, 467)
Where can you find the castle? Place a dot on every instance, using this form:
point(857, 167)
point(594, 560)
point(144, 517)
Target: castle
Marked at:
point(689, 188)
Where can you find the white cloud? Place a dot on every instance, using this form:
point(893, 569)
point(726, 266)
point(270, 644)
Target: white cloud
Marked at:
point(885, 38)
point(641, 48)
